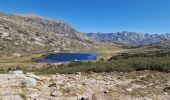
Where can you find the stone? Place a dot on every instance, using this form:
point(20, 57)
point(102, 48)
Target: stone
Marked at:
point(74, 87)
point(80, 97)
point(165, 93)
point(29, 81)
point(31, 75)
point(56, 94)
point(4, 34)
point(145, 98)
point(33, 95)
point(10, 97)
point(18, 72)
point(16, 54)
point(78, 73)
point(99, 96)
point(106, 92)
point(129, 89)
point(52, 85)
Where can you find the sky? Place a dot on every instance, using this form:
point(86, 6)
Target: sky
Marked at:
point(147, 16)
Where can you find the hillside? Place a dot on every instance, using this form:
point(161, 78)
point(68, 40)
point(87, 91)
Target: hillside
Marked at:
point(133, 72)
point(25, 34)
point(133, 38)
point(28, 33)
point(159, 45)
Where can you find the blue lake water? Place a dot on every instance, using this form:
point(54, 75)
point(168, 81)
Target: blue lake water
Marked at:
point(66, 57)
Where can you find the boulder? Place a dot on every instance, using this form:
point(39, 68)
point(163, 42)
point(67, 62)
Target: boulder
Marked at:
point(78, 73)
point(52, 85)
point(31, 75)
point(29, 81)
point(16, 54)
point(56, 94)
point(18, 72)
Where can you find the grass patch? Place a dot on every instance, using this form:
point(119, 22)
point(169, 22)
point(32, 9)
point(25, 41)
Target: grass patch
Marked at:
point(12, 59)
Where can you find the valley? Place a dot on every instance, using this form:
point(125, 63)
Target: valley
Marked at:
point(132, 65)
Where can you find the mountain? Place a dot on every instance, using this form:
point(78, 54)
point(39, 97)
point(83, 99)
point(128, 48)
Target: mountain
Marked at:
point(129, 37)
point(159, 45)
point(32, 34)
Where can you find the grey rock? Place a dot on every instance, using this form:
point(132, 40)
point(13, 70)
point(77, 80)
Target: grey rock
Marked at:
point(33, 96)
point(11, 97)
point(29, 81)
point(31, 75)
point(78, 73)
point(56, 94)
point(16, 54)
point(18, 72)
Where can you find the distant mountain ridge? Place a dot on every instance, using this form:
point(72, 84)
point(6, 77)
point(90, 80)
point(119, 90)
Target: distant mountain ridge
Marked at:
point(129, 37)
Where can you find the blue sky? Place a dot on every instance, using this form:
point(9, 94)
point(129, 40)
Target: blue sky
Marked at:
point(149, 16)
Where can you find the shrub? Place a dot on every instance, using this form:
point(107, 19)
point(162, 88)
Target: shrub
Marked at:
point(138, 62)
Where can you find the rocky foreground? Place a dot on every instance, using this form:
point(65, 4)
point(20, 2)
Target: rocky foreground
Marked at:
point(143, 85)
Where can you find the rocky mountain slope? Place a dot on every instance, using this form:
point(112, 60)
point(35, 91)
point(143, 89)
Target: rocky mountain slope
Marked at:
point(129, 37)
point(30, 34)
point(26, 34)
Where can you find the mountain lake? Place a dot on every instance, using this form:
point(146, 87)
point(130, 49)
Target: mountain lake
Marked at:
point(67, 57)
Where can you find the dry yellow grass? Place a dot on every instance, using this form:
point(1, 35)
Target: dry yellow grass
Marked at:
point(10, 62)
point(12, 59)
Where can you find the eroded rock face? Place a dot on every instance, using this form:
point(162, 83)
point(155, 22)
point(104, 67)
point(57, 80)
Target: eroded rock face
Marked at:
point(112, 86)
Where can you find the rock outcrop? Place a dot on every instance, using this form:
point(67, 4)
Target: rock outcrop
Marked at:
point(143, 85)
